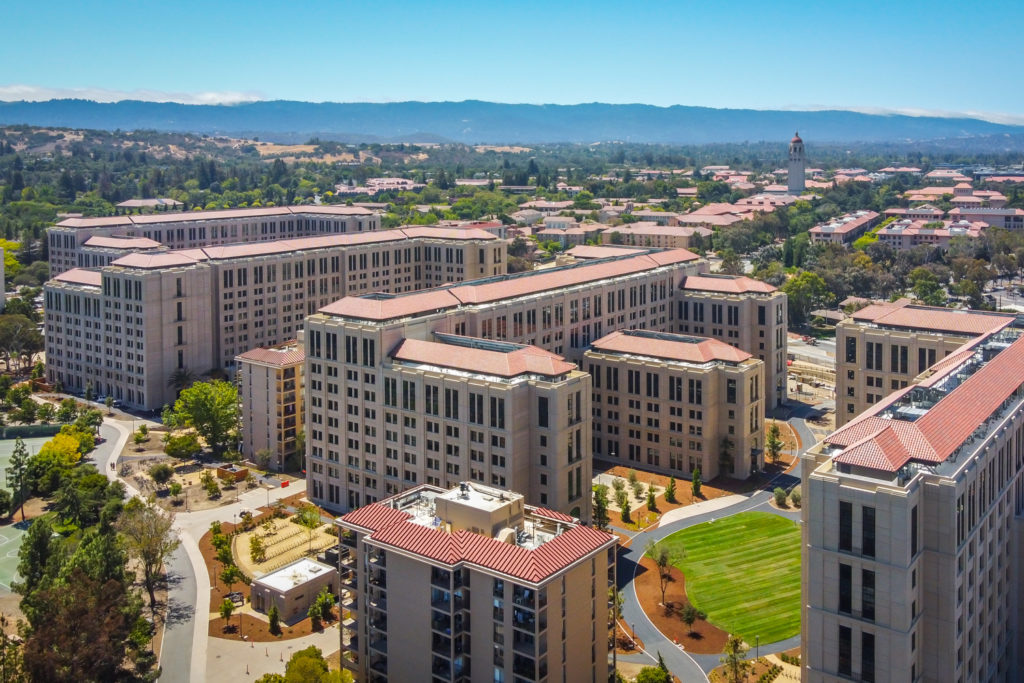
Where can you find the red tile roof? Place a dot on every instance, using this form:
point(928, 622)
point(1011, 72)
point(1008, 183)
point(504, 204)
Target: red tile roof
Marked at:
point(932, 319)
point(391, 528)
point(670, 347)
point(586, 251)
point(81, 276)
point(290, 355)
point(886, 444)
point(476, 292)
point(121, 242)
point(525, 360)
point(728, 284)
point(226, 214)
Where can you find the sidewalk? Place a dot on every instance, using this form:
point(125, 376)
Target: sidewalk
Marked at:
point(235, 660)
point(700, 508)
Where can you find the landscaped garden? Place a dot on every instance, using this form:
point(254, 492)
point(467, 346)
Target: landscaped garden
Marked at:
point(743, 571)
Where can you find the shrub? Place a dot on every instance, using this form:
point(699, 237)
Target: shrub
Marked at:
point(780, 496)
point(618, 484)
point(670, 490)
point(257, 549)
point(638, 490)
point(795, 497)
point(161, 473)
point(632, 478)
point(183, 446)
point(274, 615)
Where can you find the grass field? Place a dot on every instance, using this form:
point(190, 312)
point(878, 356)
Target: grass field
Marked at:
point(744, 572)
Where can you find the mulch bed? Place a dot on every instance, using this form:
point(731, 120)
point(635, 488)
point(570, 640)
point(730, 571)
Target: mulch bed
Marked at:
point(254, 629)
point(706, 638)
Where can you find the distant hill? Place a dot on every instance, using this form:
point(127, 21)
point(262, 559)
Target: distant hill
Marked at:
point(488, 122)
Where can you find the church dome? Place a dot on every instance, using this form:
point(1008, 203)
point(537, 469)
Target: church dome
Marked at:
point(796, 138)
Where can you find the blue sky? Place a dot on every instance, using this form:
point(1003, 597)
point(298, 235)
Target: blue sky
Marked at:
point(905, 55)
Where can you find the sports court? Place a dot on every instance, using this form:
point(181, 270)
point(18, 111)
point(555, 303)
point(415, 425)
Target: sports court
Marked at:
point(11, 535)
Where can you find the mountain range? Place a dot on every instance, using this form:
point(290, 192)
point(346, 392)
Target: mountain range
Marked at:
point(476, 122)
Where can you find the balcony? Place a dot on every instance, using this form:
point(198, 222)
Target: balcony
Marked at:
point(441, 645)
point(379, 665)
point(380, 645)
point(378, 603)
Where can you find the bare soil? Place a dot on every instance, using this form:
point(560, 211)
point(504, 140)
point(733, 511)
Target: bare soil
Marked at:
point(705, 638)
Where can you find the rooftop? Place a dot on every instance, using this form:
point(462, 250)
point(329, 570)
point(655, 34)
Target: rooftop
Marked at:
point(293, 575)
point(669, 346)
point(902, 315)
point(727, 284)
point(220, 215)
point(382, 306)
point(483, 356)
point(539, 545)
point(288, 353)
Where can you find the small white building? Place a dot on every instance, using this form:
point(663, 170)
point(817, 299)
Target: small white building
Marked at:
point(293, 588)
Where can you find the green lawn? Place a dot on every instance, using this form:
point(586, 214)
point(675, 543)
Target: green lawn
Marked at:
point(744, 572)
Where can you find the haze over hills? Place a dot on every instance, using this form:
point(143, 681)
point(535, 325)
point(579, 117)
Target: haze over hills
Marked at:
point(488, 122)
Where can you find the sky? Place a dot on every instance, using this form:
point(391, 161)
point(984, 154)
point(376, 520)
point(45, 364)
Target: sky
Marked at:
point(908, 55)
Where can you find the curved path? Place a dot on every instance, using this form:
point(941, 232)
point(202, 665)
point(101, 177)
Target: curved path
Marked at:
point(694, 667)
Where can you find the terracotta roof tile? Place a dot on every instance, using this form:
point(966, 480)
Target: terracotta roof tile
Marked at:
point(524, 360)
point(275, 356)
point(81, 276)
point(934, 319)
point(670, 347)
point(728, 284)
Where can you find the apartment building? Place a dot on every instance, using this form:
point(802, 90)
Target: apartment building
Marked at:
point(653, 235)
point(471, 584)
point(129, 326)
point(560, 310)
point(912, 528)
point(882, 347)
point(844, 229)
point(72, 242)
point(908, 234)
point(271, 391)
point(746, 313)
point(683, 402)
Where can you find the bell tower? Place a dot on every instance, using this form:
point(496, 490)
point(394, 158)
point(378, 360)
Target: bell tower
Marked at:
point(797, 163)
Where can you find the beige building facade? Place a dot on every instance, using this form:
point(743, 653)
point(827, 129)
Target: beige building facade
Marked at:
point(560, 310)
point(882, 347)
point(671, 403)
point(271, 390)
point(742, 312)
point(128, 327)
point(471, 584)
point(912, 529)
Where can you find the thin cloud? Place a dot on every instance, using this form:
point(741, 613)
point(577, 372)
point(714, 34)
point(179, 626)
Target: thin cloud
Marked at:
point(34, 93)
point(992, 117)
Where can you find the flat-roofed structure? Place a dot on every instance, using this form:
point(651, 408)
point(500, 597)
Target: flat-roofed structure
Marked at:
point(293, 588)
point(129, 326)
point(882, 347)
point(472, 584)
point(912, 530)
point(846, 228)
point(907, 233)
point(671, 403)
point(186, 230)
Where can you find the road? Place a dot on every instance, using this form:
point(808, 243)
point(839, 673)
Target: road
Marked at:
point(823, 353)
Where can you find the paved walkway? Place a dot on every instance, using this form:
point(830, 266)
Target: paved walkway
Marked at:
point(235, 660)
point(693, 667)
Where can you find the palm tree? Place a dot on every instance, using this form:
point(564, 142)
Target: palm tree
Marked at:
point(181, 379)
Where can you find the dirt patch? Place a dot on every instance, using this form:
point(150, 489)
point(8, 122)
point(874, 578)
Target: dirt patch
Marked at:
point(255, 629)
point(705, 638)
point(758, 668)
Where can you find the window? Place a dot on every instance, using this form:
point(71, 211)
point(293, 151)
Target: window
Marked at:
point(867, 596)
point(730, 391)
point(845, 526)
point(851, 349)
point(542, 411)
point(868, 531)
point(913, 531)
point(845, 588)
point(867, 657)
point(845, 651)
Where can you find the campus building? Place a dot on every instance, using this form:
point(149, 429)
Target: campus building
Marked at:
point(845, 229)
point(742, 312)
point(912, 530)
point(670, 403)
point(130, 326)
point(882, 347)
point(471, 584)
point(270, 394)
point(95, 242)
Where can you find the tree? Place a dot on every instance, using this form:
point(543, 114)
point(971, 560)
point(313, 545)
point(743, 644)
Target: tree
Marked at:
point(148, 538)
point(308, 516)
point(109, 403)
point(806, 291)
point(601, 507)
point(161, 473)
point(26, 412)
point(731, 264)
point(773, 443)
point(45, 413)
point(141, 436)
point(175, 490)
point(212, 409)
point(695, 482)
point(274, 616)
point(263, 457)
point(227, 608)
point(670, 490)
point(659, 554)
point(653, 674)
point(17, 475)
point(780, 496)
point(652, 504)
point(257, 549)
point(183, 446)
point(735, 662)
point(689, 615)
point(622, 500)
point(230, 575)
point(181, 379)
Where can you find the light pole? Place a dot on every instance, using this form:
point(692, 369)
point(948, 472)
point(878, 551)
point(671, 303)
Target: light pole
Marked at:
point(757, 648)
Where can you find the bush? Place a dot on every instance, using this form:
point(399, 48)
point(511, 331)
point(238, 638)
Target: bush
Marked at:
point(618, 484)
point(183, 446)
point(670, 490)
point(6, 502)
point(795, 497)
point(161, 473)
point(780, 496)
point(274, 615)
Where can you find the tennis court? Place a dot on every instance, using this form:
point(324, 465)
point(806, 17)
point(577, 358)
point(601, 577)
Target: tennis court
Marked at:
point(11, 535)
